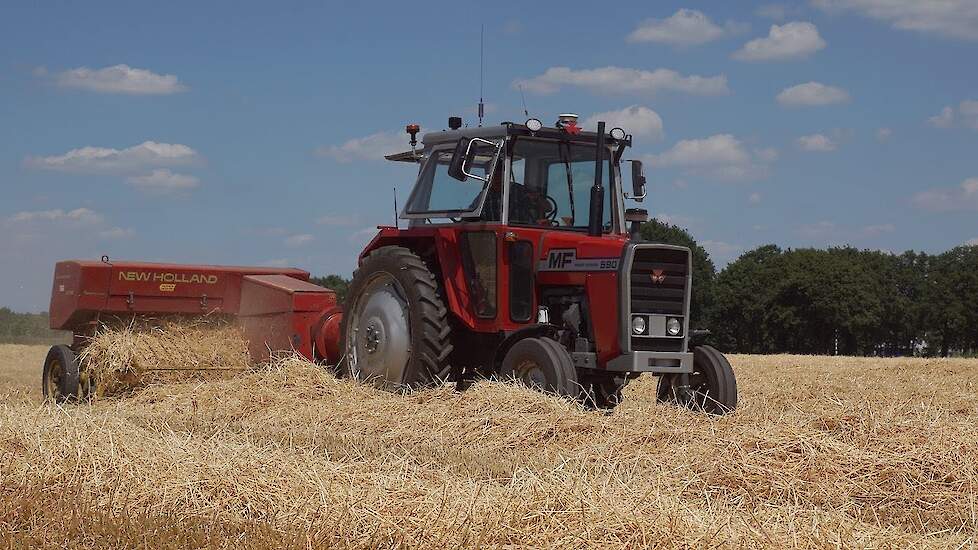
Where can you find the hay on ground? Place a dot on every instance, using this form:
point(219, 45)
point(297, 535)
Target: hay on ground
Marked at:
point(122, 356)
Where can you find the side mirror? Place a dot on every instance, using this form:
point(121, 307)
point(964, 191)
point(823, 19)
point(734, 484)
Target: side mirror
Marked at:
point(464, 155)
point(456, 168)
point(638, 182)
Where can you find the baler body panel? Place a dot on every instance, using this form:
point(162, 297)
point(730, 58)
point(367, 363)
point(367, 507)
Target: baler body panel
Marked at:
point(83, 290)
point(280, 313)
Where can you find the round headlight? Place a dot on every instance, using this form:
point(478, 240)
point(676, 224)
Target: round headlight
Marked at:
point(673, 326)
point(638, 325)
point(533, 124)
point(618, 133)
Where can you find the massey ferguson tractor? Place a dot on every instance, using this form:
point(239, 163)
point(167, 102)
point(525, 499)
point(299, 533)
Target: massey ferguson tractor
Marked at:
point(519, 261)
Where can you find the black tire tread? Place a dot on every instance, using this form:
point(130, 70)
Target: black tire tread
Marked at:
point(69, 390)
point(430, 333)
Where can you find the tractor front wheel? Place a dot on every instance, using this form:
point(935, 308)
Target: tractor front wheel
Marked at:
point(542, 364)
point(395, 329)
point(712, 385)
point(59, 379)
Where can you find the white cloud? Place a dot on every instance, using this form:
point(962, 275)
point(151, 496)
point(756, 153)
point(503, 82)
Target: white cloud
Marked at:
point(948, 18)
point(114, 233)
point(372, 147)
point(875, 230)
point(972, 242)
point(637, 120)
point(683, 28)
point(812, 94)
point(721, 156)
point(295, 241)
point(816, 143)
point(101, 160)
point(81, 216)
point(945, 199)
point(820, 229)
point(163, 181)
point(884, 134)
point(754, 198)
point(966, 115)
point(119, 79)
point(789, 41)
point(944, 119)
point(619, 80)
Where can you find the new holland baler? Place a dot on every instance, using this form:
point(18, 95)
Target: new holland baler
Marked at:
point(278, 309)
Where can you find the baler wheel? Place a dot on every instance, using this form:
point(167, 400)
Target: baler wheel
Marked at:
point(712, 385)
point(59, 379)
point(395, 329)
point(542, 364)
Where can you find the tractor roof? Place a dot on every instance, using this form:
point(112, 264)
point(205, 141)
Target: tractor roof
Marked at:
point(500, 131)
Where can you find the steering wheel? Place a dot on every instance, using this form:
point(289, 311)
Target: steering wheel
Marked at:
point(542, 207)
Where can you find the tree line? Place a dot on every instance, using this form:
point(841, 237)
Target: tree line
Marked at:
point(27, 328)
point(839, 300)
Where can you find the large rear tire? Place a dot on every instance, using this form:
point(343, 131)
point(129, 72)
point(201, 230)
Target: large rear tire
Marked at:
point(395, 330)
point(712, 384)
point(542, 364)
point(59, 379)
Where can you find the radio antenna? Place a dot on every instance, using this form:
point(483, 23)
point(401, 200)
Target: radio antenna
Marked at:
point(526, 113)
point(482, 71)
point(395, 206)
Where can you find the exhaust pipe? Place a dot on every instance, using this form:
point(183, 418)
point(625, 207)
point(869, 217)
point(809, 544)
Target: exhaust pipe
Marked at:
point(594, 226)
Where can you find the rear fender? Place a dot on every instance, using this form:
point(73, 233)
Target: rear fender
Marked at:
point(438, 247)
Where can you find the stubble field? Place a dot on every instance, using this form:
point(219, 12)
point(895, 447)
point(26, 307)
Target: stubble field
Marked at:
point(824, 452)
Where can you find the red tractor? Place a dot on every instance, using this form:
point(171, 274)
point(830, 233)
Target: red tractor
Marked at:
point(517, 263)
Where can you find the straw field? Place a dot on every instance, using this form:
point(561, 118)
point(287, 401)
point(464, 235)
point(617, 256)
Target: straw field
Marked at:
point(824, 452)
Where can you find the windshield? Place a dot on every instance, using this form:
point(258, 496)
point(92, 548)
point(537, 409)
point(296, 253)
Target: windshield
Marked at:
point(439, 193)
point(551, 184)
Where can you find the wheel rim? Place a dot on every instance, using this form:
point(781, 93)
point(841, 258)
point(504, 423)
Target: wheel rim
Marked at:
point(531, 374)
point(55, 375)
point(379, 338)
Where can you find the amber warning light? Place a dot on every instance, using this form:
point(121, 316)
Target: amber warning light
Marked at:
point(413, 130)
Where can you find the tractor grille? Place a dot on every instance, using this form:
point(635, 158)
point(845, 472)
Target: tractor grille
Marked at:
point(658, 279)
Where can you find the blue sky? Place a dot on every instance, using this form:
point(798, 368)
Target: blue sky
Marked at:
point(252, 133)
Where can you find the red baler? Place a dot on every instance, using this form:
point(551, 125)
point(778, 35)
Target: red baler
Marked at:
point(278, 308)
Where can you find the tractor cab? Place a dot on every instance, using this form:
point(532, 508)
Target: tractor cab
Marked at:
point(523, 175)
point(521, 261)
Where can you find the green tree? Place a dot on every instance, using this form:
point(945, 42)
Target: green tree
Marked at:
point(952, 301)
point(337, 284)
point(742, 296)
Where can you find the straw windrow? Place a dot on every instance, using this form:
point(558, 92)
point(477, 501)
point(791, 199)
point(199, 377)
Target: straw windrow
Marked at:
point(823, 452)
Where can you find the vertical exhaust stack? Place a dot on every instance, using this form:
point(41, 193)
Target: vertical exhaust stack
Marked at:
point(594, 228)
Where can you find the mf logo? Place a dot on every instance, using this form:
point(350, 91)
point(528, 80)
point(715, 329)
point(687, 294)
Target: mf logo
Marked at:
point(658, 276)
point(559, 259)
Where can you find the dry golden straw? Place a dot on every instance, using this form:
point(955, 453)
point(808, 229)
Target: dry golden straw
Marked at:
point(824, 452)
point(127, 354)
